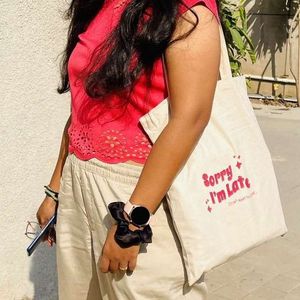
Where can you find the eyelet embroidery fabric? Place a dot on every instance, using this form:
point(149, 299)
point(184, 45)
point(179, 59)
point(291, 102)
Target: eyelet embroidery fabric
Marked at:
point(109, 145)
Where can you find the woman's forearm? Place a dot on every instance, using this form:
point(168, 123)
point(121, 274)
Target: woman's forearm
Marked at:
point(192, 68)
point(167, 156)
point(63, 152)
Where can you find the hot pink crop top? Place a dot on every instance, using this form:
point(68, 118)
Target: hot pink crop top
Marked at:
point(105, 138)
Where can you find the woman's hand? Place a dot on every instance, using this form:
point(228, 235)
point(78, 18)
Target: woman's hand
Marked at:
point(44, 214)
point(115, 257)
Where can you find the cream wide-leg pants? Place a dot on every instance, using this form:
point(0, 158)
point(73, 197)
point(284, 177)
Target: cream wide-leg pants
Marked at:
point(87, 187)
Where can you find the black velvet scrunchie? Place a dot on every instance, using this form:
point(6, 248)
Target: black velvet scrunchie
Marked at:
point(124, 236)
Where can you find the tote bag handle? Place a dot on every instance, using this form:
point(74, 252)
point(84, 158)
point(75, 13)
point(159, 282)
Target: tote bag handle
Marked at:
point(224, 69)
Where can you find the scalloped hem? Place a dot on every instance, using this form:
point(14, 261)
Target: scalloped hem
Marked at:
point(112, 161)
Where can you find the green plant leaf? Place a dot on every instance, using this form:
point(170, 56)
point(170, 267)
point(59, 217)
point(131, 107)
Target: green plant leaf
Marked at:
point(237, 39)
point(239, 43)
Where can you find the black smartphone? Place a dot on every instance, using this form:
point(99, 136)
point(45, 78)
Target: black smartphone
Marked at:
point(41, 235)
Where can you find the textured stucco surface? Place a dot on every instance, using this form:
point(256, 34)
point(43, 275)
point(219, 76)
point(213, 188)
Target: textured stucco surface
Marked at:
point(32, 35)
point(33, 114)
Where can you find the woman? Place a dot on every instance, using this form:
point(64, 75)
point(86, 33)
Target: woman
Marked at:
point(113, 67)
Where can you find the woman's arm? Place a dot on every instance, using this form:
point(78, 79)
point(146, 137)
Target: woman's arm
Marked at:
point(193, 67)
point(48, 205)
point(63, 153)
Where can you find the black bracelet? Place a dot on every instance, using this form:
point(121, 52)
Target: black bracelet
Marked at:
point(51, 193)
point(124, 236)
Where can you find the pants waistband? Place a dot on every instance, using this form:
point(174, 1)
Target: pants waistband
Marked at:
point(122, 171)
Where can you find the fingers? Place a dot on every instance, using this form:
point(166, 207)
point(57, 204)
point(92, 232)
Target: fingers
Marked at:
point(107, 265)
point(114, 266)
point(50, 241)
point(114, 258)
point(104, 264)
point(51, 237)
point(123, 266)
point(53, 234)
point(42, 222)
point(132, 264)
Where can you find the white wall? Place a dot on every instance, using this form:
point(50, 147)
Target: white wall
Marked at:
point(32, 35)
point(33, 114)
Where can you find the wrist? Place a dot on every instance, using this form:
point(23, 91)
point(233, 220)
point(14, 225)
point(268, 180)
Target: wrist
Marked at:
point(128, 234)
point(134, 227)
point(135, 201)
point(130, 226)
point(137, 214)
point(53, 187)
point(50, 201)
point(51, 193)
point(55, 184)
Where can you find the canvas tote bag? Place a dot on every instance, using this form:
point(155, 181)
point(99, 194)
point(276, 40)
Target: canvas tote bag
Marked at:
point(225, 199)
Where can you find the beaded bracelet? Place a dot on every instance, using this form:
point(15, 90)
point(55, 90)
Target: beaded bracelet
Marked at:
point(51, 193)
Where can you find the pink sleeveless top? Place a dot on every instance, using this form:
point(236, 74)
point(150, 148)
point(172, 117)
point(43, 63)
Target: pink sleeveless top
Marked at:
point(106, 138)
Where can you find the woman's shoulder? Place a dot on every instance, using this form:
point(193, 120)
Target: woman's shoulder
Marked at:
point(210, 4)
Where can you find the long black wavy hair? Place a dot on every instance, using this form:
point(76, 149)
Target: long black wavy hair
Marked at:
point(132, 47)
